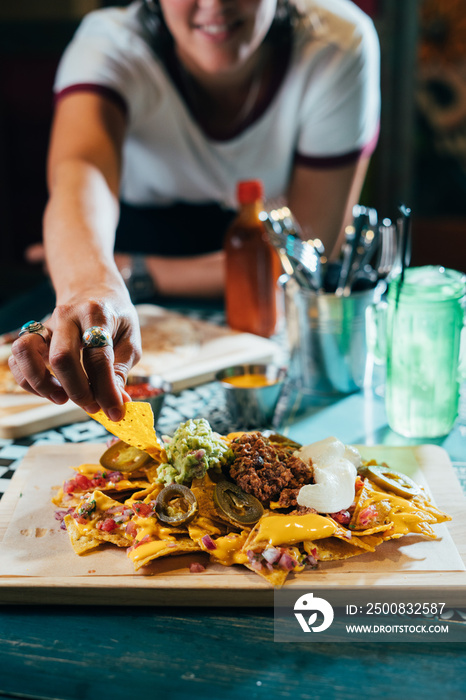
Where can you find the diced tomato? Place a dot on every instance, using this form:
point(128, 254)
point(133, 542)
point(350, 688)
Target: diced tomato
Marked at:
point(106, 525)
point(367, 515)
point(98, 482)
point(80, 519)
point(142, 509)
point(69, 486)
point(359, 483)
point(343, 517)
point(131, 529)
point(82, 482)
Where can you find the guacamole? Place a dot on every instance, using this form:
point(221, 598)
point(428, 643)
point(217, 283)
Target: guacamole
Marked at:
point(193, 449)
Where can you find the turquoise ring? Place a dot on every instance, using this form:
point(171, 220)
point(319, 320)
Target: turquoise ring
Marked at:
point(37, 328)
point(96, 337)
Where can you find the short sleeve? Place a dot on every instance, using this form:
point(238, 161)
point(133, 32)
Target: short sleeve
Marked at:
point(107, 55)
point(340, 110)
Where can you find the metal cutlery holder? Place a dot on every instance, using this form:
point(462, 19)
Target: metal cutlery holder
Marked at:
point(327, 338)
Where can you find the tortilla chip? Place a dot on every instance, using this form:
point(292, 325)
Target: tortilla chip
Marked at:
point(182, 545)
point(276, 578)
point(136, 428)
point(150, 472)
point(367, 542)
point(366, 497)
point(60, 500)
point(79, 541)
point(202, 526)
point(203, 489)
point(228, 549)
point(331, 549)
point(425, 504)
point(149, 493)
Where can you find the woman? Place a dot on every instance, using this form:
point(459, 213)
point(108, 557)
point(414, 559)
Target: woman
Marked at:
point(164, 107)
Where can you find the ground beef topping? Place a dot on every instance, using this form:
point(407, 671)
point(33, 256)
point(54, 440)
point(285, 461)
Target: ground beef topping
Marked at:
point(267, 471)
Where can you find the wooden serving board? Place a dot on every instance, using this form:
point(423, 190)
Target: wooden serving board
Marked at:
point(184, 351)
point(173, 584)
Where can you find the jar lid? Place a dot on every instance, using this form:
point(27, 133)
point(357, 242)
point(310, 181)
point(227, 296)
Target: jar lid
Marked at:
point(249, 191)
point(429, 283)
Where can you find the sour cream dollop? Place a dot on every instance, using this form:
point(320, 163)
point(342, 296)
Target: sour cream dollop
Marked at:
point(335, 469)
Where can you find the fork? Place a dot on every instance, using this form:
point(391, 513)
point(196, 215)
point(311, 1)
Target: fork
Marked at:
point(301, 256)
point(386, 268)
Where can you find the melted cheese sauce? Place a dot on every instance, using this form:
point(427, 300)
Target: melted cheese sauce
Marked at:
point(103, 503)
point(249, 381)
point(89, 469)
point(202, 526)
point(290, 529)
point(153, 528)
point(406, 516)
point(94, 470)
point(148, 549)
point(228, 549)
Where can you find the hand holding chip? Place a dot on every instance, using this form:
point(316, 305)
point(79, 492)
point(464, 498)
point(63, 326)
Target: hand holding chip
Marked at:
point(90, 345)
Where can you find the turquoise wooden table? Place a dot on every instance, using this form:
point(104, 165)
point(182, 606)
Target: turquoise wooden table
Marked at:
point(89, 652)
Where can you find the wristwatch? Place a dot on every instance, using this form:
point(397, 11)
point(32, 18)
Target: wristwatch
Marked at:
point(138, 280)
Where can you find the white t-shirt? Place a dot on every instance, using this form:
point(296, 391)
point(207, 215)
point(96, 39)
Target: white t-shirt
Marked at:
point(323, 114)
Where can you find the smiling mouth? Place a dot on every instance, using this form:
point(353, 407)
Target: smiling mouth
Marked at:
point(218, 29)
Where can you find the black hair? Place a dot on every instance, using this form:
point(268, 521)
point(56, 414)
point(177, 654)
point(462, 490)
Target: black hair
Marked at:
point(286, 16)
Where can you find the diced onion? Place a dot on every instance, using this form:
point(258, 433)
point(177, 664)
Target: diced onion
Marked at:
point(208, 542)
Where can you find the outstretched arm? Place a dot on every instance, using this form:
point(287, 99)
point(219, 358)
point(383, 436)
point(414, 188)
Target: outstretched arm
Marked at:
point(79, 227)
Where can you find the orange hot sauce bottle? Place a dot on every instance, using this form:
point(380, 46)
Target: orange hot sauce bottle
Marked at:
point(252, 267)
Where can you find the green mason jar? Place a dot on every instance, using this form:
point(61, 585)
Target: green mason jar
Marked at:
point(423, 336)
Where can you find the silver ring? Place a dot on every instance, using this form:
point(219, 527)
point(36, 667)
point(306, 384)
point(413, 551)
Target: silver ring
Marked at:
point(96, 337)
point(37, 328)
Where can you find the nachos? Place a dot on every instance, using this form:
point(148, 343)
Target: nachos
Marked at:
point(265, 503)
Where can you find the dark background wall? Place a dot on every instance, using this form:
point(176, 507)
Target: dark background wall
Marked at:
point(415, 162)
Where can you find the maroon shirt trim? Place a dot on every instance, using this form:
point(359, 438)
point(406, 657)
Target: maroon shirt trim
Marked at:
point(101, 90)
point(281, 59)
point(328, 162)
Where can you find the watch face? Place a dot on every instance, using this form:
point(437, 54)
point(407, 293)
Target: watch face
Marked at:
point(142, 287)
point(140, 284)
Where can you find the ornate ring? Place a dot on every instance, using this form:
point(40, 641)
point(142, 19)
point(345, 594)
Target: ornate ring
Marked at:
point(37, 328)
point(96, 337)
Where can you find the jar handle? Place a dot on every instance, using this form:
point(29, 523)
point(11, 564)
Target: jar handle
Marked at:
point(376, 331)
point(462, 357)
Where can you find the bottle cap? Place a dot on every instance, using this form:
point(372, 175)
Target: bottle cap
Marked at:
point(249, 191)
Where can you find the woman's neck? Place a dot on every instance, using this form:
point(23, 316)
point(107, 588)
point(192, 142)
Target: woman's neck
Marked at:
point(224, 101)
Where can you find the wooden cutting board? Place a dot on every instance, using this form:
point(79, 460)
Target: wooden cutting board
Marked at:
point(25, 414)
point(171, 582)
point(188, 352)
point(184, 351)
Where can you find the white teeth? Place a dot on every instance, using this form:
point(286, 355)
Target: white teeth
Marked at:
point(214, 28)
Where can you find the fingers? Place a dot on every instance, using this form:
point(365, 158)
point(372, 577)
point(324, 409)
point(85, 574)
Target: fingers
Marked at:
point(92, 377)
point(107, 369)
point(65, 361)
point(28, 364)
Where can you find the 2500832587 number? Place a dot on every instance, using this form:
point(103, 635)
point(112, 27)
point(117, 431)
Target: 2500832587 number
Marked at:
point(404, 608)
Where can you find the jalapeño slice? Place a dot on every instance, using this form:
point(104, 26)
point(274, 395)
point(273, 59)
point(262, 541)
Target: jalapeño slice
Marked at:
point(123, 458)
point(236, 505)
point(391, 480)
point(176, 505)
